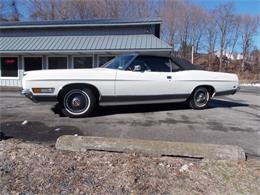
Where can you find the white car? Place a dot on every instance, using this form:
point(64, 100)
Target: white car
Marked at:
point(128, 79)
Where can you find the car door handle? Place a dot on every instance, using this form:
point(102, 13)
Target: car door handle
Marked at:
point(169, 77)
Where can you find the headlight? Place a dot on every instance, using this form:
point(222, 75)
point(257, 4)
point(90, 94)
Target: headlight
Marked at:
point(43, 90)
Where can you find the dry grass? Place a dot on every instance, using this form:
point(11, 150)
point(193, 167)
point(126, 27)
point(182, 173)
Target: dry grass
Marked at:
point(30, 168)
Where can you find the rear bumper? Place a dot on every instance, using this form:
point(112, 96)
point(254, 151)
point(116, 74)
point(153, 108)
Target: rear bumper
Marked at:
point(38, 98)
point(228, 92)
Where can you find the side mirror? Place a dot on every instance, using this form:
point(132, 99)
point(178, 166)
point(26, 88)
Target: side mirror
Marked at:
point(137, 68)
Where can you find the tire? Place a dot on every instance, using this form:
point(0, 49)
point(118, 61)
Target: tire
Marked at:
point(78, 103)
point(199, 98)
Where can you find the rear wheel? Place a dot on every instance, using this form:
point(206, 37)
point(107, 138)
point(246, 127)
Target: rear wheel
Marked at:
point(199, 98)
point(78, 103)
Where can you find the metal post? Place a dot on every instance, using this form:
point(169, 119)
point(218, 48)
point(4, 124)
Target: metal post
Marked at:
point(192, 54)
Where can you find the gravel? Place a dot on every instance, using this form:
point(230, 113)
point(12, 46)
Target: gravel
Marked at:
point(29, 168)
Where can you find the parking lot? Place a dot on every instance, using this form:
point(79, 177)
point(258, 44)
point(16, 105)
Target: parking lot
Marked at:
point(228, 120)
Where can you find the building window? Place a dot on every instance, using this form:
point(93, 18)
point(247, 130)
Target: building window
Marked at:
point(104, 59)
point(57, 62)
point(9, 67)
point(83, 62)
point(32, 63)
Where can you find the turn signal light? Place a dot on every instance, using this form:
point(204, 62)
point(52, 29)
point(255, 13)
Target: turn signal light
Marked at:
point(43, 90)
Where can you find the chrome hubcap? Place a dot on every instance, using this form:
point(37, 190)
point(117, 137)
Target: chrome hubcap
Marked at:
point(76, 101)
point(201, 98)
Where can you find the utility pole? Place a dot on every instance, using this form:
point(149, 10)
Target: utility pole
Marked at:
point(192, 54)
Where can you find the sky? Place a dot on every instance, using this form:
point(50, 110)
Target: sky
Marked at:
point(241, 6)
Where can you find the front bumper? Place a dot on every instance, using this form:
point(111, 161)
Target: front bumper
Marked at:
point(27, 93)
point(38, 98)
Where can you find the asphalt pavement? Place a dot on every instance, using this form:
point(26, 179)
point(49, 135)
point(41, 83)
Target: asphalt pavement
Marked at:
point(230, 119)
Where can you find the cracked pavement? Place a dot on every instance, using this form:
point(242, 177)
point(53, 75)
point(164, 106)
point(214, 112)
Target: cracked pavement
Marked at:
point(228, 120)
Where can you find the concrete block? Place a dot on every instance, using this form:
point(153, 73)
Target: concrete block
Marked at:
point(151, 147)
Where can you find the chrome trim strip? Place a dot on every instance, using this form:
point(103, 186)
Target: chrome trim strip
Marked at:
point(142, 99)
point(204, 81)
point(141, 102)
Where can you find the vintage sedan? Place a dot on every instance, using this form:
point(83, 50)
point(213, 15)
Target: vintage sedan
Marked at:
point(128, 79)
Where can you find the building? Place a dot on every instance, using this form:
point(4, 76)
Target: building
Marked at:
point(26, 46)
point(230, 56)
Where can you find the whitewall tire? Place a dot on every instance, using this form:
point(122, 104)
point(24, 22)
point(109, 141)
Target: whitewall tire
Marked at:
point(78, 103)
point(199, 98)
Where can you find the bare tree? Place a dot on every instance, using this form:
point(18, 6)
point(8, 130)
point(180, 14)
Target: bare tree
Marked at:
point(198, 17)
point(9, 11)
point(211, 36)
point(135, 8)
point(184, 28)
point(87, 9)
point(224, 17)
point(43, 10)
point(14, 14)
point(233, 34)
point(248, 28)
point(3, 6)
point(168, 11)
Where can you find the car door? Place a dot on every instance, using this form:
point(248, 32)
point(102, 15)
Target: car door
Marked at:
point(153, 78)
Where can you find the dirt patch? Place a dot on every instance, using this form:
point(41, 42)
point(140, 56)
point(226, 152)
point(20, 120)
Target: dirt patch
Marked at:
point(32, 168)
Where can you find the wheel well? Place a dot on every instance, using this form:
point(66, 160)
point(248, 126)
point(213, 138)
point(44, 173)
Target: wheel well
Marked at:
point(208, 87)
point(68, 87)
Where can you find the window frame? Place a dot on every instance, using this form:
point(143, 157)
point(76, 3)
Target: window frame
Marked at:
point(106, 55)
point(37, 56)
point(82, 56)
point(58, 56)
point(18, 72)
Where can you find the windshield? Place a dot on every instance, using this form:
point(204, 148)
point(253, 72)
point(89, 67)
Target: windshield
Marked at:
point(118, 62)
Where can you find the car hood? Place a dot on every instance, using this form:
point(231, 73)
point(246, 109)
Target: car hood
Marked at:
point(61, 74)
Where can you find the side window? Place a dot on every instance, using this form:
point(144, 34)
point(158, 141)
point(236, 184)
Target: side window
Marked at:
point(141, 62)
point(154, 64)
point(174, 66)
point(160, 64)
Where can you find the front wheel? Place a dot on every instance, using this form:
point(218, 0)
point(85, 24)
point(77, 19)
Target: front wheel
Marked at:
point(78, 103)
point(199, 98)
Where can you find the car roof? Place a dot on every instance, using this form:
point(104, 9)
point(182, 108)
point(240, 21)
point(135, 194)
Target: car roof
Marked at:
point(183, 63)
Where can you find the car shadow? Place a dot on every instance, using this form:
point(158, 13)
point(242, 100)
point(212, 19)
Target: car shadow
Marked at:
point(145, 108)
point(35, 131)
point(217, 103)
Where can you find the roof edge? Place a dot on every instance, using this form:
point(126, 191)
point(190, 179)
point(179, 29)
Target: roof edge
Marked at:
point(80, 23)
point(85, 51)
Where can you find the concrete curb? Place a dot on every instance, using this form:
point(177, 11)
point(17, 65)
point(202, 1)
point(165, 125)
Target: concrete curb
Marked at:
point(162, 148)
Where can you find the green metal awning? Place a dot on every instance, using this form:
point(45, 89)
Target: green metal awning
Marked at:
point(93, 44)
